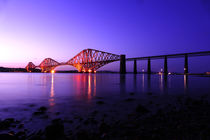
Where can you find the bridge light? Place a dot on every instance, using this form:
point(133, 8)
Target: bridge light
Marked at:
point(169, 73)
point(94, 71)
point(52, 71)
point(89, 70)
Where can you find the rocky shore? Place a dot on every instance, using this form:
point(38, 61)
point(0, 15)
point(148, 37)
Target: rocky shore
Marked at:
point(166, 117)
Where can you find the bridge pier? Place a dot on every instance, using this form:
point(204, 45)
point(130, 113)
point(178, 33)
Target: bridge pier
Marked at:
point(165, 65)
point(149, 66)
point(47, 69)
point(186, 70)
point(122, 64)
point(134, 67)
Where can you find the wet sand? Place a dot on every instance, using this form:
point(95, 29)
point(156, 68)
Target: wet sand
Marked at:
point(129, 117)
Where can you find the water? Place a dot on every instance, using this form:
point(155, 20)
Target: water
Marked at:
point(22, 93)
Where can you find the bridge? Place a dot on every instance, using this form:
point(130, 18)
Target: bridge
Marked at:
point(90, 60)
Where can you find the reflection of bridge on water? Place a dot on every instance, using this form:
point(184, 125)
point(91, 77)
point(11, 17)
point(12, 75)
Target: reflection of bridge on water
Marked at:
point(89, 60)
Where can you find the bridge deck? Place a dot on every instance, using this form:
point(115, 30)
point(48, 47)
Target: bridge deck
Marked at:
point(192, 54)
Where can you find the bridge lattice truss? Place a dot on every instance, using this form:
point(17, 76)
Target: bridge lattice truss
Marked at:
point(88, 60)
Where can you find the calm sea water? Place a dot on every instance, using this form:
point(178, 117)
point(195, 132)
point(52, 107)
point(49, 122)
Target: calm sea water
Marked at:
point(71, 91)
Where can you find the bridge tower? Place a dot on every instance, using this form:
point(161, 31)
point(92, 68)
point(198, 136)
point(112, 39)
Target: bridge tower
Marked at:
point(30, 67)
point(48, 64)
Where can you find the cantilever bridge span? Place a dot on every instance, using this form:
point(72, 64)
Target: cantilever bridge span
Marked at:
point(88, 60)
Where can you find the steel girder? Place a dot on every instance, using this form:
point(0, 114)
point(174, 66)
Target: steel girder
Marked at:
point(48, 64)
point(30, 67)
point(91, 60)
point(88, 60)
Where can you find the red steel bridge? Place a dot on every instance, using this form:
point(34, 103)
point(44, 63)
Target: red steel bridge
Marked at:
point(88, 60)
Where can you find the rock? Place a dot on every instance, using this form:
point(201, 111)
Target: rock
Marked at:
point(99, 97)
point(141, 109)
point(86, 122)
point(21, 135)
point(69, 121)
point(11, 120)
point(5, 124)
point(93, 121)
point(38, 113)
point(57, 121)
point(7, 137)
point(94, 112)
point(132, 93)
point(55, 130)
point(42, 109)
point(32, 105)
point(100, 102)
point(45, 117)
point(57, 113)
point(149, 93)
point(103, 128)
point(129, 99)
point(35, 137)
point(20, 126)
point(83, 135)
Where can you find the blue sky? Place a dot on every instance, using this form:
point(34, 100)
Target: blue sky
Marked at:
point(31, 30)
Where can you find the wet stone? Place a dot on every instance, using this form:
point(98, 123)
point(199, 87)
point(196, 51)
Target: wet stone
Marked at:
point(55, 130)
point(94, 112)
point(20, 126)
point(83, 135)
point(37, 113)
point(129, 99)
point(104, 127)
point(141, 109)
point(5, 124)
point(132, 93)
point(42, 109)
point(7, 137)
point(68, 121)
point(32, 105)
point(45, 117)
point(86, 122)
point(99, 98)
point(149, 93)
point(57, 113)
point(21, 135)
point(100, 102)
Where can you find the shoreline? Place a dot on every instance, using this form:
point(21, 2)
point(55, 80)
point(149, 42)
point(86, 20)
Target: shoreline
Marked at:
point(130, 118)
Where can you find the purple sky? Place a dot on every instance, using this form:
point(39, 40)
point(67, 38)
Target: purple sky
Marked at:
point(31, 30)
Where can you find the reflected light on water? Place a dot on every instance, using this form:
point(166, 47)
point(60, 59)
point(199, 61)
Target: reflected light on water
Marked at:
point(94, 93)
point(161, 82)
point(89, 86)
point(52, 100)
point(143, 83)
point(185, 83)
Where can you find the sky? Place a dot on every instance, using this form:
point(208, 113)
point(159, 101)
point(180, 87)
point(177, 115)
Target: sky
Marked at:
point(31, 30)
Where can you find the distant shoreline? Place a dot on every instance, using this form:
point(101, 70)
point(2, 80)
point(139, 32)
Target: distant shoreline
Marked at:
point(5, 69)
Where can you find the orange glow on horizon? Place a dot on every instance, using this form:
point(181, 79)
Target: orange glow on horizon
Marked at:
point(52, 71)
